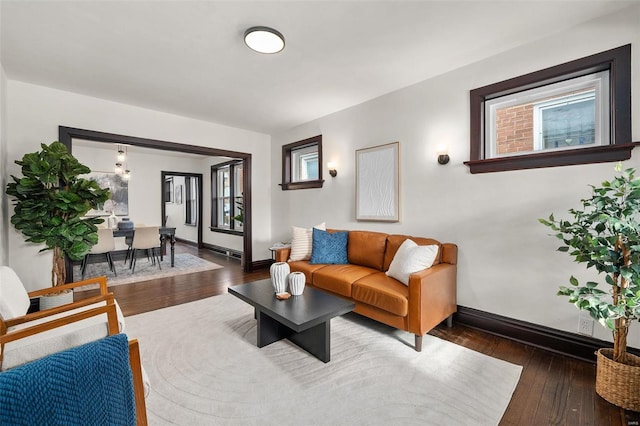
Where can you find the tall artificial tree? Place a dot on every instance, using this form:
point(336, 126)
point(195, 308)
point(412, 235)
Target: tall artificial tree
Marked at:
point(605, 235)
point(50, 204)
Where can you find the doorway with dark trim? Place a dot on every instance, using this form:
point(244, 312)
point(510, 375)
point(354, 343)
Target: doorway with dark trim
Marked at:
point(185, 198)
point(66, 135)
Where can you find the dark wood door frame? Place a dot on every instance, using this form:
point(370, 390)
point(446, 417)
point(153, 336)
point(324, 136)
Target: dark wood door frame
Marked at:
point(67, 134)
point(163, 211)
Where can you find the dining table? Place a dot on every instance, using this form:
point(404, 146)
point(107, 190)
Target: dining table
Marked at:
point(165, 233)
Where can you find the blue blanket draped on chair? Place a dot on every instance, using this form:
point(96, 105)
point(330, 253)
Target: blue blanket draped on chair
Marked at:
point(87, 385)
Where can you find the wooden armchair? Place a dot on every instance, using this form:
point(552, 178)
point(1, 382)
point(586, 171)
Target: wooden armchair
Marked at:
point(28, 337)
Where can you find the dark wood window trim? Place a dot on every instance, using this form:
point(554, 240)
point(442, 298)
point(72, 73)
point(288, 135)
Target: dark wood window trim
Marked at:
point(287, 184)
point(616, 61)
point(214, 197)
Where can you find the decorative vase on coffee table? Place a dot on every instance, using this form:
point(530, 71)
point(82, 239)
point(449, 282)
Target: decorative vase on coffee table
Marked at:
point(279, 272)
point(296, 283)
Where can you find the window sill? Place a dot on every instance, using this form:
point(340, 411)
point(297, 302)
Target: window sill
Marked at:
point(599, 154)
point(226, 231)
point(302, 185)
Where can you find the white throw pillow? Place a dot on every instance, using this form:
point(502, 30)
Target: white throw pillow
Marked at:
point(411, 258)
point(302, 242)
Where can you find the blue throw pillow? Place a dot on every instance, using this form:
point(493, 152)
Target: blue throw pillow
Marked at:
point(329, 248)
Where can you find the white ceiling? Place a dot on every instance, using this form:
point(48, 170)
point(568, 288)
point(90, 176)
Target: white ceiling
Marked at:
point(189, 58)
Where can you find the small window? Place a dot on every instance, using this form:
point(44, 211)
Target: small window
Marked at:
point(168, 190)
point(224, 197)
point(191, 200)
point(565, 115)
point(238, 196)
point(302, 164)
point(574, 113)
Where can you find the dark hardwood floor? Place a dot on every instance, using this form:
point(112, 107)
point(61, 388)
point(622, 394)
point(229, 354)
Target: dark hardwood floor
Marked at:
point(553, 389)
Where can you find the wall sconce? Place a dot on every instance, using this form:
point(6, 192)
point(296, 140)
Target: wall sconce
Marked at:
point(443, 156)
point(332, 169)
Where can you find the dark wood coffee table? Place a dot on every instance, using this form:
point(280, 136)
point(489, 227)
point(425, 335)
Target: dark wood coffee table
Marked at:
point(305, 320)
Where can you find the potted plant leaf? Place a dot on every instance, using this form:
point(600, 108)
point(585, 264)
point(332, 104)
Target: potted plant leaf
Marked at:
point(239, 207)
point(605, 235)
point(50, 201)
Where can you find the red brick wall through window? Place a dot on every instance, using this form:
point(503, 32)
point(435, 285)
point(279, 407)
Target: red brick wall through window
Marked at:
point(514, 129)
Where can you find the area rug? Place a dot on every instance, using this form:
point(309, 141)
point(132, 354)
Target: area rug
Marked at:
point(205, 369)
point(185, 263)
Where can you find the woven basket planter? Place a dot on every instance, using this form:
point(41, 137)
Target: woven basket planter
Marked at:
point(616, 382)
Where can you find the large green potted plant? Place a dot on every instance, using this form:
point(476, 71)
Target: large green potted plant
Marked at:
point(50, 202)
point(605, 235)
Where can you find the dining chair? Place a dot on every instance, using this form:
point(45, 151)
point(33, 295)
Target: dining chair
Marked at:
point(128, 240)
point(105, 245)
point(148, 239)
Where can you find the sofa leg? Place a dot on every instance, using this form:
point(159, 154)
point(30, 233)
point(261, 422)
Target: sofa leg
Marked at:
point(450, 321)
point(418, 343)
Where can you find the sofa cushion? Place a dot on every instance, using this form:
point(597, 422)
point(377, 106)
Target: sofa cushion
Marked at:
point(411, 258)
point(301, 242)
point(329, 248)
point(306, 268)
point(383, 292)
point(395, 241)
point(338, 278)
point(367, 248)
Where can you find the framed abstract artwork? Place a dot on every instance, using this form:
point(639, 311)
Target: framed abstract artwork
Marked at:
point(118, 187)
point(378, 183)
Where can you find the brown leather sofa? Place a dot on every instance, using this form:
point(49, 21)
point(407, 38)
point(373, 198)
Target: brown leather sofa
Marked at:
point(429, 299)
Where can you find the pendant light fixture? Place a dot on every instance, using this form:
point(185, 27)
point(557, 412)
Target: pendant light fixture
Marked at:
point(264, 40)
point(122, 167)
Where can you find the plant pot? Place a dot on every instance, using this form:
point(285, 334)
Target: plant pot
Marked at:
point(616, 382)
point(55, 300)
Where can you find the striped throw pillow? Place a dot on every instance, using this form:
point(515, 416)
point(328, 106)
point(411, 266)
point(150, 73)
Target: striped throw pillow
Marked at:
point(302, 241)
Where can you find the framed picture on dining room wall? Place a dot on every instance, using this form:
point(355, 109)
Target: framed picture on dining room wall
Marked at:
point(118, 187)
point(378, 183)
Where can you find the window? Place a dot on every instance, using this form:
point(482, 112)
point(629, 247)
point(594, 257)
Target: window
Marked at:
point(238, 207)
point(227, 188)
point(574, 113)
point(302, 164)
point(191, 200)
point(168, 190)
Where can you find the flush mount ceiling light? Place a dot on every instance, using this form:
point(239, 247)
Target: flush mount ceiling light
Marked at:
point(264, 40)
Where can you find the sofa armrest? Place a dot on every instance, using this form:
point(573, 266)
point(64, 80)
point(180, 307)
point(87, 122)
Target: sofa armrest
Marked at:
point(282, 254)
point(432, 297)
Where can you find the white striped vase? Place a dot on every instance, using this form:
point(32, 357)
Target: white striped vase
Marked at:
point(296, 283)
point(279, 272)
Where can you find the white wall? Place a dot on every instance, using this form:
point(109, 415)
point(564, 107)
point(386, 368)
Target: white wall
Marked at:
point(507, 262)
point(35, 112)
point(4, 202)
